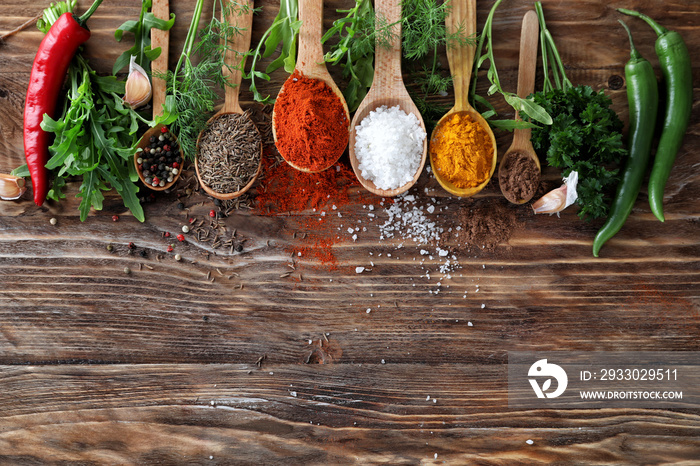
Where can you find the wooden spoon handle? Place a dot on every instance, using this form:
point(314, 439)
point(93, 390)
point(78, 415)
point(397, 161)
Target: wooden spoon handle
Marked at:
point(239, 16)
point(460, 57)
point(387, 56)
point(527, 64)
point(159, 38)
point(310, 56)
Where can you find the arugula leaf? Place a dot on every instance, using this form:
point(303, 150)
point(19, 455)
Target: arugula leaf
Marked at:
point(284, 30)
point(141, 31)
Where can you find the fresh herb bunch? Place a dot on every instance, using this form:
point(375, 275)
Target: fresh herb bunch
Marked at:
point(584, 135)
point(141, 30)
point(199, 70)
point(96, 135)
point(284, 30)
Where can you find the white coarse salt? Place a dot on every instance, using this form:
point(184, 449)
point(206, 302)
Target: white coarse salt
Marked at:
point(359, 269)
point(389, 146)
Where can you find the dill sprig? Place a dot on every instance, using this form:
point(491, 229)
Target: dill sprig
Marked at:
point(190, 85)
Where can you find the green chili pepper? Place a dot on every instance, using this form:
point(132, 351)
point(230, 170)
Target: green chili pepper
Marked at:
point(643, 101)
point(675, 67)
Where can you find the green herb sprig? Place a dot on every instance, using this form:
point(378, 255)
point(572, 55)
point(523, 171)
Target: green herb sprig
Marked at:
point(284, 30)
point(141, 30)
point(527, 105)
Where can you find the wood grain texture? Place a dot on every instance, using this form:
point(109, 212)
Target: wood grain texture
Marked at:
point(216, 359)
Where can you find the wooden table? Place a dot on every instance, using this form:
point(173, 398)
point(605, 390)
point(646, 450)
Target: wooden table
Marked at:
point(210, 360)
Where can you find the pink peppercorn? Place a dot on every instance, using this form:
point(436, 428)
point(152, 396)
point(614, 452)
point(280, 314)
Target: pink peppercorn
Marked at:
point(212, 213)
point(115, 218)
point(181, 237)
point(170, 248)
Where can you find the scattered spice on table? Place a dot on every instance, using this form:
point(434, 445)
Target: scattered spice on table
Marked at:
point(160, 161)
point(519, 177)
point(311, 124)
point(461, 151)
point(389, 147)
point(485, 224)
point(286, 191)
point(229, 153)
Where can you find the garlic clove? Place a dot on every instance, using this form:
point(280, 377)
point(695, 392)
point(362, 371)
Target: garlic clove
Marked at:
point(11, 187)
point(559, 199)
point(138, 86)
point(552, 202)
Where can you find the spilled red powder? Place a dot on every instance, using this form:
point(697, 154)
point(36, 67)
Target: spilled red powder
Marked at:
point(285, 190)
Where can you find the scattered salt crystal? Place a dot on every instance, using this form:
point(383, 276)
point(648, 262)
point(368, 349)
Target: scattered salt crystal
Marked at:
point(469, 324)
point(351, 230)
point(359, 269)
point(294, 394)
point(529, 442)
point(354, 237)
point(427, 398)
point(369, 310)
point(370, 207)
point(383, 361)
point(334, 207)
point(431, 209)
point(483, 306)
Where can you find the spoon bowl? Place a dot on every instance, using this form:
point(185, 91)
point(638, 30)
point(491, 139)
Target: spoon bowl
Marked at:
point(387, 89)
point(512, 159)
point(310, 64)
point(240, 17)
point(460, 57)
point(159, 66)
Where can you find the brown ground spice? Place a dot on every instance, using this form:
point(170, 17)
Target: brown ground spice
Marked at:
point(520, 177)
point(485, 224)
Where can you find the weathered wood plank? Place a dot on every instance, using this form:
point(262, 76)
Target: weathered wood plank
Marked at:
point(357, 414)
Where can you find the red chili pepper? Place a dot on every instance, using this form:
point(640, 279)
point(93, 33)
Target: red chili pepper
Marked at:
point(48, 73)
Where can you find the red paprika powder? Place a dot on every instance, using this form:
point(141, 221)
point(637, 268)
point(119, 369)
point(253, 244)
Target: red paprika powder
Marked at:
point(311, 126)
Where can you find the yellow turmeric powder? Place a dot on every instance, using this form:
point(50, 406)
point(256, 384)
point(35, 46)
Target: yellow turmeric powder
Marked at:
point(461, 151)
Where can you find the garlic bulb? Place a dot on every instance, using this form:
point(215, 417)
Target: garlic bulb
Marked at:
point(559, 199)
point(138, 86)
point(11, 187)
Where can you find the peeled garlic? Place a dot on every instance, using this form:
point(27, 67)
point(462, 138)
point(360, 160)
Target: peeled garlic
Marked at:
point(138, 86)
point(559, 199)
point(11, 187)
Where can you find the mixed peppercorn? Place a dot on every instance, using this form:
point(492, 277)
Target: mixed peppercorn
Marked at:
point(161, 160)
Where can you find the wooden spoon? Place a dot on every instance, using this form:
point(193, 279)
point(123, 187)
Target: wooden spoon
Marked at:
point(387, 89)
point(529, 37)
point(310, 63)
point(460, 59)
point(239, 16)
point(159, 66)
